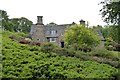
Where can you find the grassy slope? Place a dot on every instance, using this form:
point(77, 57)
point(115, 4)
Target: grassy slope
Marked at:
point(23, 61)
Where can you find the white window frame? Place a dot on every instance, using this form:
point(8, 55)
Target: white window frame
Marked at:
point(53, 39)
point(54, 32)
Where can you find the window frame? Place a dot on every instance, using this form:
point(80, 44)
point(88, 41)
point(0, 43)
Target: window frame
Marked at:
point(53, 39)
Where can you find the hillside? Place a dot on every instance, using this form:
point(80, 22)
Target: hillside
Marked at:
point(25, 61)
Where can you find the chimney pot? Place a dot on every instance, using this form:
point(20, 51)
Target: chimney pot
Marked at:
point(39, 20)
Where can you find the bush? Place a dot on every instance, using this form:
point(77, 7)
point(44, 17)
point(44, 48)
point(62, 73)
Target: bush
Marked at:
point(60, 51)
point(82, 49)
point(105, 54)
point(64, 51)
point(112, 59)
point(81, 37)
point(100, 53)
point(111, 45)
point(16, 37)
point(82, 55)
point(117, 75)
point(48, 47)
point(117, 47)
point(24, 61)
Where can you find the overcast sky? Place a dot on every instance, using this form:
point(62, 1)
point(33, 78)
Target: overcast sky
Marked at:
point(58, 11)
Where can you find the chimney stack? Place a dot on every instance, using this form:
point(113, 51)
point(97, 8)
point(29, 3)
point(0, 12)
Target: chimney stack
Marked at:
point(39, 20)
point(82, 22)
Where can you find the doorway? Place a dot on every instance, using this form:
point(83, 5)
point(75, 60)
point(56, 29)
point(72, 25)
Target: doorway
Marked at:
point(62, 44)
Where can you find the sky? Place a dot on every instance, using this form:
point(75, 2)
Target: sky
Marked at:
point(57, 11)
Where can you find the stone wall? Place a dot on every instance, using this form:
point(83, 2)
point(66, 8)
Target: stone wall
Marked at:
point(38, 33)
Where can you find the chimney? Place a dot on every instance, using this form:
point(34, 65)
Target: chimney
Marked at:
point(82, 22)
point(39, 20)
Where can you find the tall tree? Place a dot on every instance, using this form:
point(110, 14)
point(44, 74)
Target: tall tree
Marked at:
point(21, 24)
point(4, 19)
point(15, 24)
point(111, 12)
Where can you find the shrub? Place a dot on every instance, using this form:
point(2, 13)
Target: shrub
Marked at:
point(23, 61)
point(80, 54)
point(105, 54)
point(34, 48)
point(48, 47)
point(113, 61)
point(100, 53)
point(81, 37)
point(111, 45)
point(16, 37)
point(61, 51)
point(117, 47)
point(64, 51)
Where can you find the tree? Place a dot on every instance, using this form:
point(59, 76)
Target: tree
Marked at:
point(81, 37)
point(15, 24)
point(105, 31)
point(111, 12)
point(4, 19)
point(21, 24)
point(113, 32)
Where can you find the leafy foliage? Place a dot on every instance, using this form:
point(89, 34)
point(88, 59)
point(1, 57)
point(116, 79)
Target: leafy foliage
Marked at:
point(23, 61)
point(16, 24)
point(81, 37)
point(112, 37)
point(112, 31)
point(100, 56)
point(21, 24)
point(106, 54)
point(4, 18)
point(111, 12)
point(48, 47)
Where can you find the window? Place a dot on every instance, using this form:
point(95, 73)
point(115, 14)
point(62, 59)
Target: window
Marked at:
point(38, 39)
point(61, 33)
point(54, 32)
point(47, 32)
point(53, 39)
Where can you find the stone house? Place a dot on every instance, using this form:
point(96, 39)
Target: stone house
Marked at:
point(50, 32)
